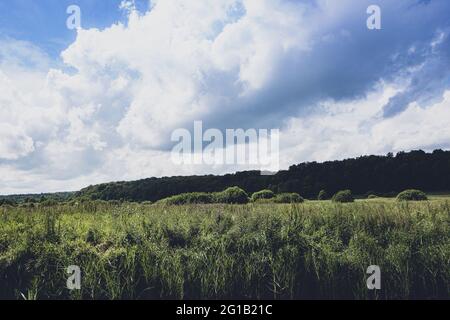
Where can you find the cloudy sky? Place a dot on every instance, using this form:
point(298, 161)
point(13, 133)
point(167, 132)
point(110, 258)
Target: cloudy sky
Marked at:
point(98, 104)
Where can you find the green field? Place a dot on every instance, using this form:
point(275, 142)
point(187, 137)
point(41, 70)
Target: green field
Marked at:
point(314, 250)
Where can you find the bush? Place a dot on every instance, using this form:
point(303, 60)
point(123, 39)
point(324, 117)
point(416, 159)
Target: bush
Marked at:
point(189, 198)
point(289, 198)
point(323, 195)
point(412, 195)
point(370, 193)
point(263, 194)
point(234, 195)
point(343, 196)
point(372, 196)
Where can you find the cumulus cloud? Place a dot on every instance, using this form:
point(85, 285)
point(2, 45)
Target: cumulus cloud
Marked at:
point(357, 128)
point(14, 143)
point(310, 68)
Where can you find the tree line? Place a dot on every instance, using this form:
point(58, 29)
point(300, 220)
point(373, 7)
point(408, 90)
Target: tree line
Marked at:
point(374, 175)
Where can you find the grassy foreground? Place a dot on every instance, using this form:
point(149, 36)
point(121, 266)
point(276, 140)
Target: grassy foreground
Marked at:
point(315, 250)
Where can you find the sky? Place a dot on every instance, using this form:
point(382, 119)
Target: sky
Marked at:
point(100, 103)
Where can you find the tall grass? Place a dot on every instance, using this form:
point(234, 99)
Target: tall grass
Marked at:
point(315, 250)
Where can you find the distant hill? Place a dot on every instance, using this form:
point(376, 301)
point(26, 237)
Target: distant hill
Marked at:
point(382, 175)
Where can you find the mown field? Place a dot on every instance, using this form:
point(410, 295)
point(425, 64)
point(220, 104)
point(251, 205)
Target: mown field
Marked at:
point(313, 250)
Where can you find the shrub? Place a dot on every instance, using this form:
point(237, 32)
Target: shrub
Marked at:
point(372, 196)
point(234, 195)
point(323, 195)
point(370, 192)
point(189, 198)
point(412, 195)
point(263, 194)
point(343, 196)
point(289, 198)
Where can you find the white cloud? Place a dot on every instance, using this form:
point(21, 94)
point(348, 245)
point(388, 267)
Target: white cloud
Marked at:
point(179, 66)
point(343, 130)
point(14, 143)
point(416, 127)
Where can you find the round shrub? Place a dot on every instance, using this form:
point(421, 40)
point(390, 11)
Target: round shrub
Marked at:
point(233, 195)
point(289, 198)
point(323, 195)
point(189, 198)
point(370, 193)
point(412, 195)
point(343, 196)
point(263, 194)
point(372, 196)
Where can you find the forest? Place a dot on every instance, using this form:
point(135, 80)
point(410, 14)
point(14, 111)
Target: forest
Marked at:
point(378, 175)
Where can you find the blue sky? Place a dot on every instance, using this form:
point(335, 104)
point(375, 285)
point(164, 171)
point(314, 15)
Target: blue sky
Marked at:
point(102, 103)
point(43, 22)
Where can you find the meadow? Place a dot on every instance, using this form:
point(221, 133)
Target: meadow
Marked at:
point(312, 250)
